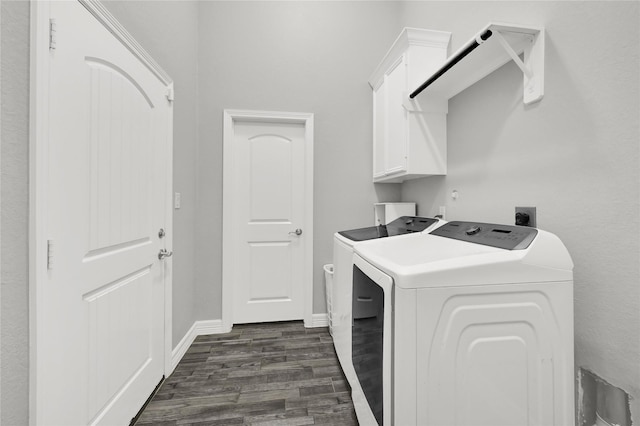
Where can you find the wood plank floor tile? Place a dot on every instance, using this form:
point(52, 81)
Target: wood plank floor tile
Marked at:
point(293, 421)
point(296, 384)
point(221, 422)
point(258, 374)
point(279, 394)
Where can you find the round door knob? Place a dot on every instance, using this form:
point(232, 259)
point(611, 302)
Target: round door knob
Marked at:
point(296, 232)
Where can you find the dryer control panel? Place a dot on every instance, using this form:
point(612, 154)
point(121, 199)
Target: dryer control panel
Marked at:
point(489, 234)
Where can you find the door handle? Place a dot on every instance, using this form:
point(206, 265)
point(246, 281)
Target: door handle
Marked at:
point(164, 253)
point(297, 232)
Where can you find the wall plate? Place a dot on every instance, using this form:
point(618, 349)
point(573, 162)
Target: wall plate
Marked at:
point(531, 211)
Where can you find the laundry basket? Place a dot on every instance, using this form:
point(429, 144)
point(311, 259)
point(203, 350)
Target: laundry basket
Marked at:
point(328, 290)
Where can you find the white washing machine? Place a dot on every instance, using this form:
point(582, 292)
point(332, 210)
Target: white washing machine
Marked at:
point(342, 291)
point(474, 326)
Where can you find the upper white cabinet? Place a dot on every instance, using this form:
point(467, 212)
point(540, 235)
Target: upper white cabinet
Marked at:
point(415, 80)
point(409, 136)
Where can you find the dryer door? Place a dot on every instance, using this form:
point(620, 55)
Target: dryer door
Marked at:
point(371, 342)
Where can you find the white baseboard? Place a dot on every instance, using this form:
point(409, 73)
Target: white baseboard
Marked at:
point(210, 327)
point(198, 328)
point(318, 320)
point(181, 348)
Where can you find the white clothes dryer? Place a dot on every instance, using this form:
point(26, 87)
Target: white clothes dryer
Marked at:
point(474, 327)
point(343, 308)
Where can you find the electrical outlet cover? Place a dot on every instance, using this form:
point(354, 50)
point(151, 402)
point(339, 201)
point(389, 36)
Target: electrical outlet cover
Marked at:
point(531, 211)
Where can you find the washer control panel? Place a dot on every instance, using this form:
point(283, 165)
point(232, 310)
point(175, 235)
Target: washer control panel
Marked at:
point(409, 224)
point(489, 234)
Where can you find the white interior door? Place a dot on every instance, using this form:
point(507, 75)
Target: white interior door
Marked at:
point(100, 308)
point(268, 219)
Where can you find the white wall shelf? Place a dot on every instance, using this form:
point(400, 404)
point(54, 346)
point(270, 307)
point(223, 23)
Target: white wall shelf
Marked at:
point(493, 46)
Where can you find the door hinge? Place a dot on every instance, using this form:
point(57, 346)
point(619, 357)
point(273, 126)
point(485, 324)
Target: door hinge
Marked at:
point(49, 254)
point(170, 94)
point(53, 38)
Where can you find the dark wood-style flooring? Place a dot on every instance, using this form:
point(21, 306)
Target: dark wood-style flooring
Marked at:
point(259, 374)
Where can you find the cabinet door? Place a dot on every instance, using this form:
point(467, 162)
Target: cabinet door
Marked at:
point(396, 119)
point(379, 130)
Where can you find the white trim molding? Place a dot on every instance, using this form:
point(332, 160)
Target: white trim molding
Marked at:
point(97, 9)
point(38, 182)
point(199, 328)
point(318, 320)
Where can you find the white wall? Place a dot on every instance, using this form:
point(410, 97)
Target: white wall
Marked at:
point(14, 212)
point(0, 221)
point(168, 31)
point(292, 56)
point(574, 156)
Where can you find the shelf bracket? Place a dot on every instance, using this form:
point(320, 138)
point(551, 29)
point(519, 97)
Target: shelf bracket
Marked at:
point(532, 67)
point(507, 47)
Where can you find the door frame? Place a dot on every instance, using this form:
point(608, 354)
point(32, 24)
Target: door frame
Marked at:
point(232, 116)
point(38, 172)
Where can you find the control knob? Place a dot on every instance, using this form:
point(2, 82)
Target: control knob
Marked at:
point(473, 230)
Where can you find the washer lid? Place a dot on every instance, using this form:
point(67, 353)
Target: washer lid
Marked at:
point(427, 260)
point(489, 234)
point(400, 226)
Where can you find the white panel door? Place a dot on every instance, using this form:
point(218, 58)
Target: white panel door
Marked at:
point(100, 343)
point(269, 191)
